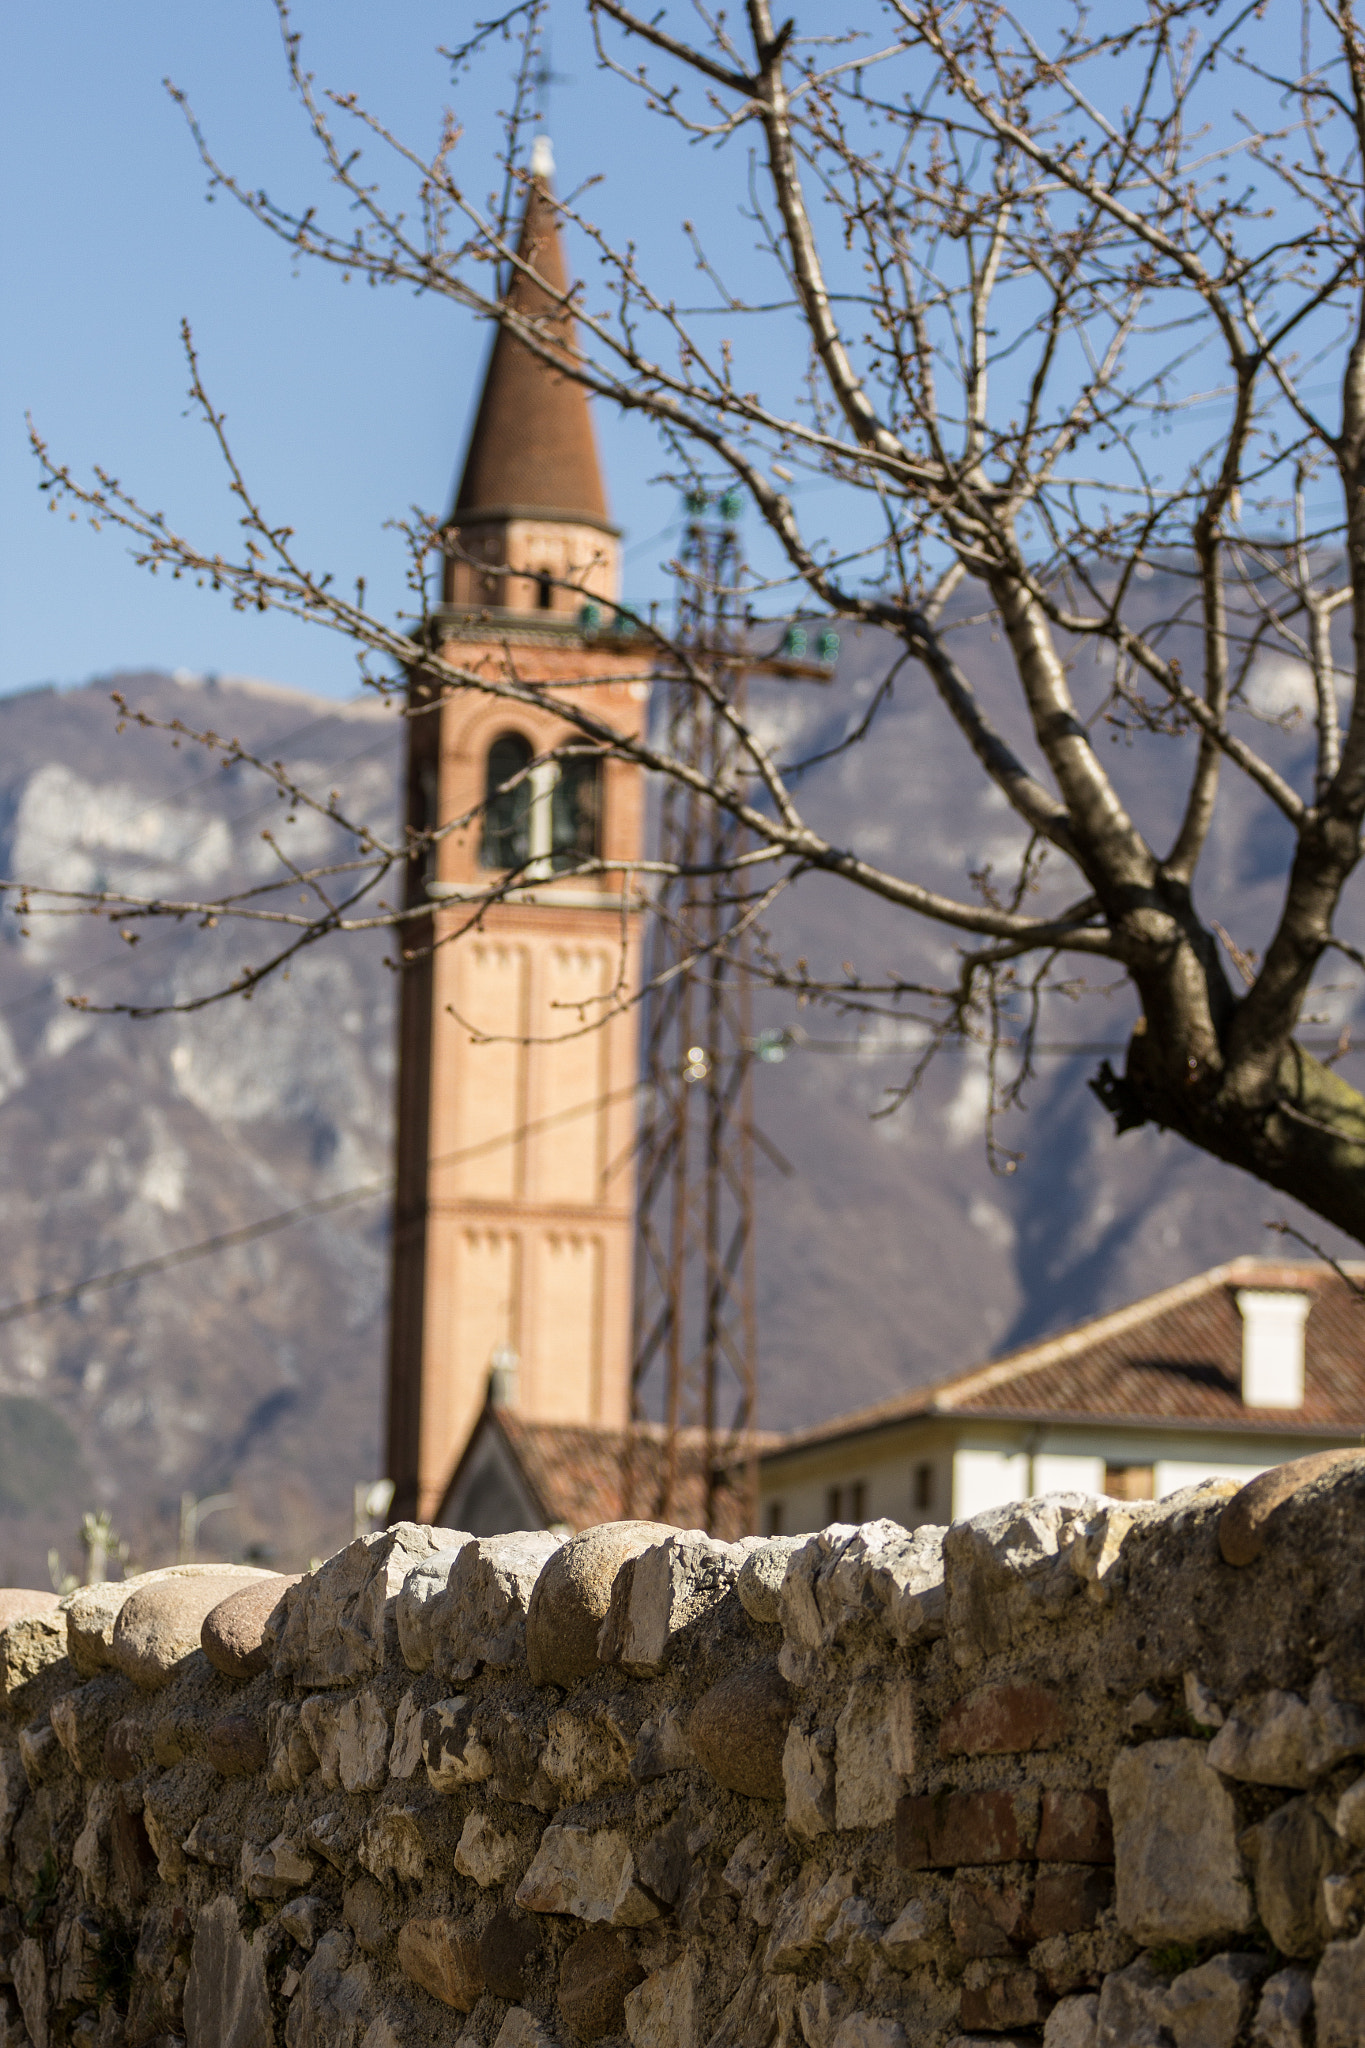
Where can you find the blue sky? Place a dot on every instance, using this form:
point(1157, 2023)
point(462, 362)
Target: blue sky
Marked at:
point(347, 404)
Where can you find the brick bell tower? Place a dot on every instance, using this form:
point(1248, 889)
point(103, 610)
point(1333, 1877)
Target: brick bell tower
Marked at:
point(514, 1209)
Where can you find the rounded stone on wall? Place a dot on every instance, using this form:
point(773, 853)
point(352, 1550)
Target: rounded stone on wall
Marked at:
point(90, 1618)
point(17, 1601)
point(1244, 1523)
point(158, 1626)
point(232, 1634)
point(572, 1596)
point(92, 1613)
point(739, 1728)
point(595, 1974)
point(761, 1576)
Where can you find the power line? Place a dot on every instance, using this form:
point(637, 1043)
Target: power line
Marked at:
point(322, 1205)
point(773, 1048)
point(99, 1283)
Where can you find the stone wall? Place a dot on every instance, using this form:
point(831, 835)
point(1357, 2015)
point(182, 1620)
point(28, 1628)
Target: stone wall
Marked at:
point(1075, 1771)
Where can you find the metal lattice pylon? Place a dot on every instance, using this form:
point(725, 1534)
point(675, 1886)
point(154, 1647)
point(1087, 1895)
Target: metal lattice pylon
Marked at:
point(694, 1339)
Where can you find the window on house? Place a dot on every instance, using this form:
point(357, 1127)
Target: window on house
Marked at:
point(846, 1503)
point(1130, 1482)
point(507, 812)
point(773, 1518)
point(545, 590)
point(924, 1487)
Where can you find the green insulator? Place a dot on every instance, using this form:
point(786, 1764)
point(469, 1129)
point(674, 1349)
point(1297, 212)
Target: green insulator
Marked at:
point(827, 646)
point(590, 617)
point(795, 641)
point(696, 503)
point(730, 506)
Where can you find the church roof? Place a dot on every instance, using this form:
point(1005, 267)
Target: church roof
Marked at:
point(570, 1474)
point(533, 452)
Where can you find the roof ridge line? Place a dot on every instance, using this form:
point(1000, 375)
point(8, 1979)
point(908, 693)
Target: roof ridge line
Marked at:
point(930, 1398)
point(1051, 1350)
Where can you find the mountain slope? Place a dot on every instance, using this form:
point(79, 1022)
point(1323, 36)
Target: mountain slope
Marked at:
point(252, 1371)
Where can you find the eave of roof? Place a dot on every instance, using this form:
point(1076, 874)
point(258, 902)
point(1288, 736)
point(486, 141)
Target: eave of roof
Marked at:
point(1260, 1422)
point(946, 1398)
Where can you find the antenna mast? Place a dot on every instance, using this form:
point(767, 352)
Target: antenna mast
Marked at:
point(694, 1340)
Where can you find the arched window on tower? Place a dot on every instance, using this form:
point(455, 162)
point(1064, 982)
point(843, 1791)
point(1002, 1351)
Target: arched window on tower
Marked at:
point(576, 812)
point(550, 821)
point(507, 812)
point(545, 590)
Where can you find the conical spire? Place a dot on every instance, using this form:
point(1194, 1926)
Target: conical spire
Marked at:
point(533, 451)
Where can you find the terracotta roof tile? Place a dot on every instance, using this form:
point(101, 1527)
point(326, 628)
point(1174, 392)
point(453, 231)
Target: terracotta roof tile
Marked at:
point(1173, 1358)
point(576, 1473)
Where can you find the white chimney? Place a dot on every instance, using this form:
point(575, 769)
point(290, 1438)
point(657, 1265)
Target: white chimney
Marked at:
point(1272, 1347)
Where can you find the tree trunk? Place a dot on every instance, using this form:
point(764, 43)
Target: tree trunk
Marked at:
point(1308, 1140)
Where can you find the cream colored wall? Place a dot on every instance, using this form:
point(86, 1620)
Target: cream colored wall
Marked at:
point(987, 1477)
point(988, 1466)
point(1066, 1472)
point(886, 1467)
point(1169, 1475)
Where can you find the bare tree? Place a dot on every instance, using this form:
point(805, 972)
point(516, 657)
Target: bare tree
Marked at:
point(1017, 258)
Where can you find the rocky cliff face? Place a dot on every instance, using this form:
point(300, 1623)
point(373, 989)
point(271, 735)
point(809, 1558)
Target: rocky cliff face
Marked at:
point(890, 1252)
point(254, 1371)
